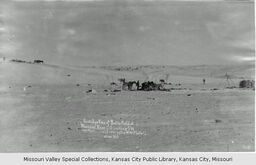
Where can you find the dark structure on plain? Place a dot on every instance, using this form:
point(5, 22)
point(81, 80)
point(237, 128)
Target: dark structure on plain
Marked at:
point(247, 84)
point(38, 61)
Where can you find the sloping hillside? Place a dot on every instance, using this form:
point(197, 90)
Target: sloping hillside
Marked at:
point(22, 73)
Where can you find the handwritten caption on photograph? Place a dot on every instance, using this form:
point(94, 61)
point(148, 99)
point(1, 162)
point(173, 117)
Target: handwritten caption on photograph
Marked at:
point(112, 129)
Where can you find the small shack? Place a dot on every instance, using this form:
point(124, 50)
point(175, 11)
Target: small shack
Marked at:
point(247, 84)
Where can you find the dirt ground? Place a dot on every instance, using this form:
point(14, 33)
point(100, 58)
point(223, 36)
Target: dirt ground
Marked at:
point(48, 118)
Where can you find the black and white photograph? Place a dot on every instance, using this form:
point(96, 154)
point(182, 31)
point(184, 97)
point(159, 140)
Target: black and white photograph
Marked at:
point(127, 76)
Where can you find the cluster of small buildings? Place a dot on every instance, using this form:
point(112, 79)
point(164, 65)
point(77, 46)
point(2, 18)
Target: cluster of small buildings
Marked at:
point(144, 86)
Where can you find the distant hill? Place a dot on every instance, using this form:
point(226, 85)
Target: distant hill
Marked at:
point(22, 73)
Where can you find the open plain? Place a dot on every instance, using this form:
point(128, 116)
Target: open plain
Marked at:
point(47, 107)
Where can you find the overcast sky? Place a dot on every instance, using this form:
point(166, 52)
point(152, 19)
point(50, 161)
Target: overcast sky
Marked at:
point(124, 33)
